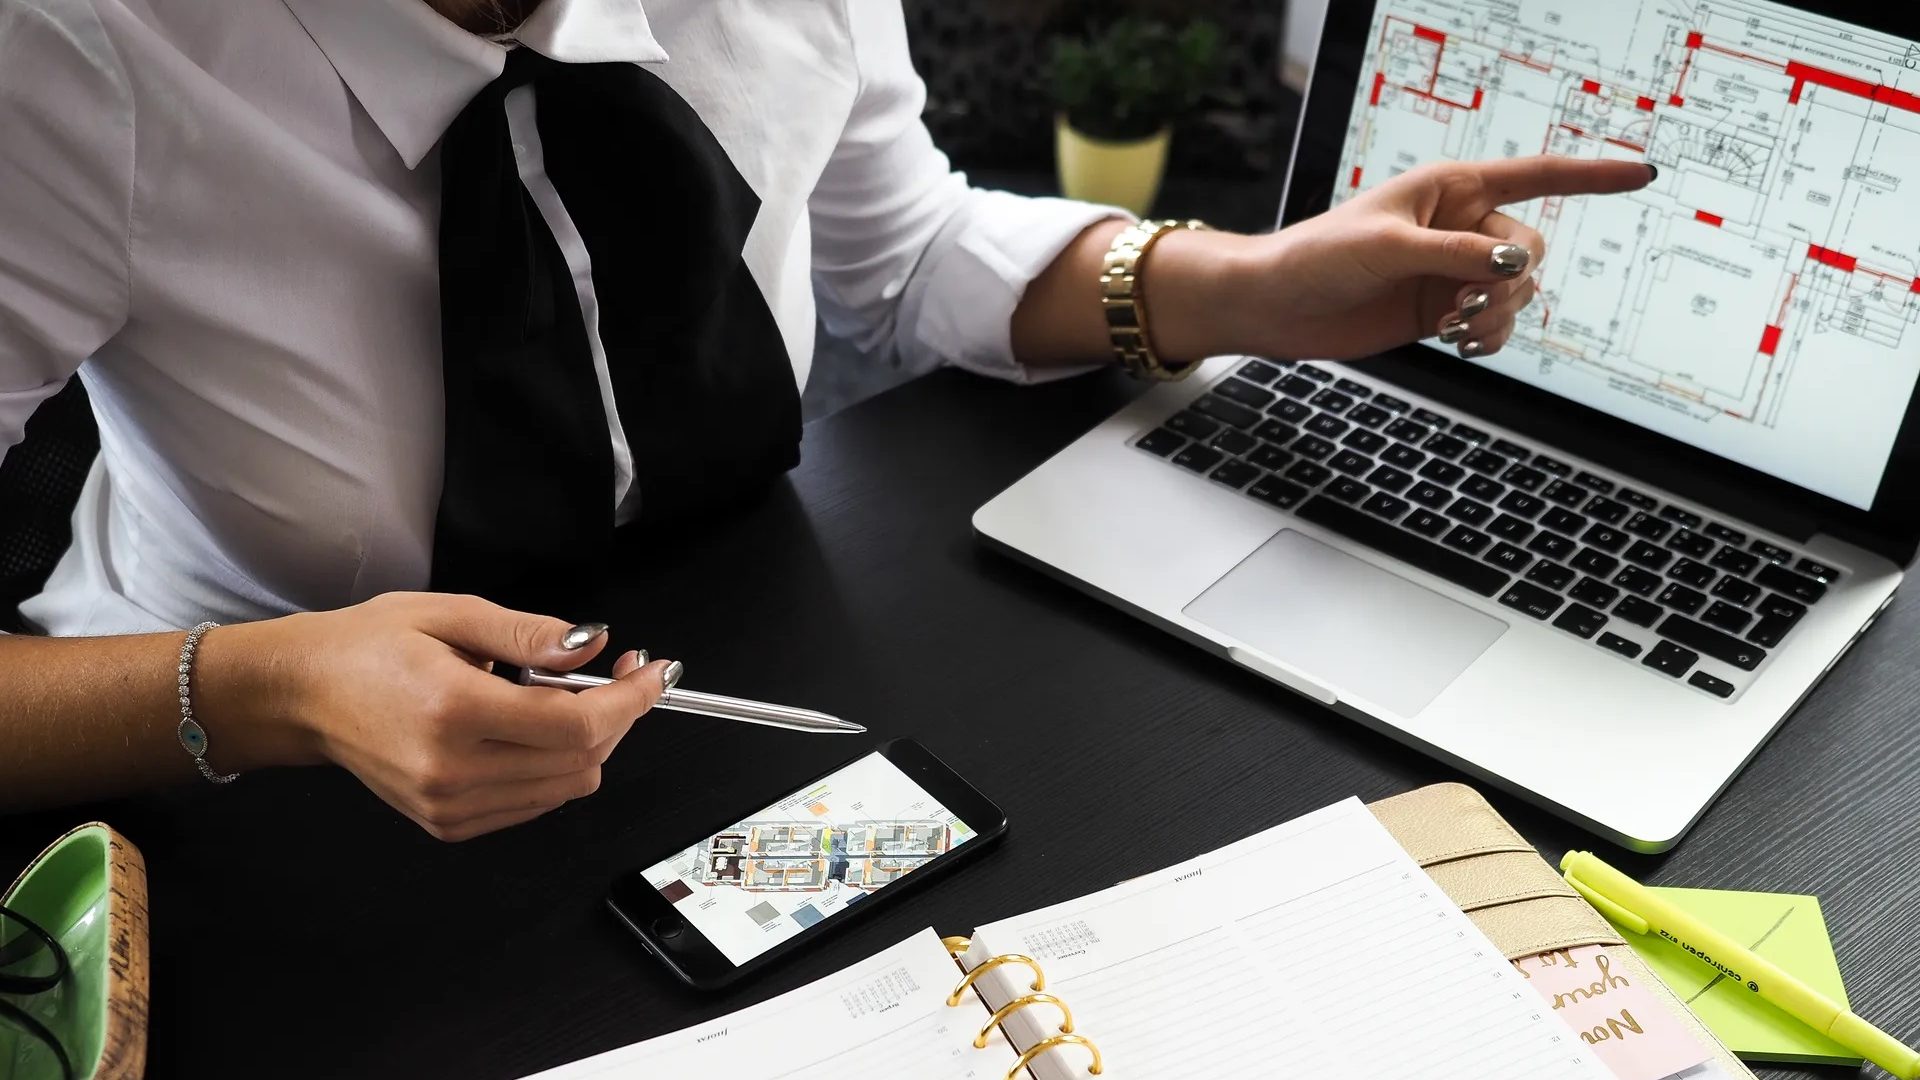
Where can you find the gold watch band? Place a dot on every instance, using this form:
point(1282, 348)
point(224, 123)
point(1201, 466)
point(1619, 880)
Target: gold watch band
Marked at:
point(1123, 303)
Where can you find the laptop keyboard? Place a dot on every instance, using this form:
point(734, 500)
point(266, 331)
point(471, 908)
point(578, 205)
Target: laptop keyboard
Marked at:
point(1648, 580)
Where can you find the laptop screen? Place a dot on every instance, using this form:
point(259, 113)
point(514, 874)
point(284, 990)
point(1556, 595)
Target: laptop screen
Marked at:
point(1761, 300)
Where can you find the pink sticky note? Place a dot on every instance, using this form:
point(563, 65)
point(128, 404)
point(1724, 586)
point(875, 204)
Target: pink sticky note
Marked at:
point(1632, 1030)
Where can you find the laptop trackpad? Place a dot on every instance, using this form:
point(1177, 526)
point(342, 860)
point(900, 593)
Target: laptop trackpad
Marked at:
point(1361, 630)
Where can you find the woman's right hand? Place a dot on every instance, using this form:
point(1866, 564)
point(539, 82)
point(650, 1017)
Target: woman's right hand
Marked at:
point(397, 690)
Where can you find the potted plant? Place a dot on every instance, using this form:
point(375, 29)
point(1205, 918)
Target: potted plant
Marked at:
point(1117, 93)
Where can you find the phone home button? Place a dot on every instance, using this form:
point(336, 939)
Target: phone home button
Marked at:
point(668, 930)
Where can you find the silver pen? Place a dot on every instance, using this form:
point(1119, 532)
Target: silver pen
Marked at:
point(726, 708)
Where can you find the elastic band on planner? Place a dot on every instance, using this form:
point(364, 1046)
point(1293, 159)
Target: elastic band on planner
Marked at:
point(1045, 1045)
point(1039, 977)
point(1000, 1015)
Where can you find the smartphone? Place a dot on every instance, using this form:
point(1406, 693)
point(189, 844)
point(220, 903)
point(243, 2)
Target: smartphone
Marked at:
point(744, 895)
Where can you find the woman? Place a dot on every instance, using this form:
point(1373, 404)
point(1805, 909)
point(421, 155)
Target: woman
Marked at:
point(404, 295)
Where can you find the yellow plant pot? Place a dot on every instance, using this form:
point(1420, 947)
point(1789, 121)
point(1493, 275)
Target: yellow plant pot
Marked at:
point(1124, 174)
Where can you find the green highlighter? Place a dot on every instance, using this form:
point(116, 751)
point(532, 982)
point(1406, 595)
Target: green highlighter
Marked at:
point(1645, 911)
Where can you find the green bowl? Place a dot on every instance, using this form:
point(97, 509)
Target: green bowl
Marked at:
point(88, 890)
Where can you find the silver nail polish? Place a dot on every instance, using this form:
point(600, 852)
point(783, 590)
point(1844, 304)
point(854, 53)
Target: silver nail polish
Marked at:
point(1509, 260)
point(671, 677)
point(581, 636)
point(640, 658)
point(1475, 303)
point(1453, 331)
point(1472, 349)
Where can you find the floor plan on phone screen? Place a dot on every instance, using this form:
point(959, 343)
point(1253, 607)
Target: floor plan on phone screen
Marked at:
point(798, 862)
point(1765, 291)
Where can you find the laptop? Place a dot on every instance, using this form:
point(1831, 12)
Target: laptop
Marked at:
point(1600, 567)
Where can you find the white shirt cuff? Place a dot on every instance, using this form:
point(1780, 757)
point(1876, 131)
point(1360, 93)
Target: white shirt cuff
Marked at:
point(960, 304)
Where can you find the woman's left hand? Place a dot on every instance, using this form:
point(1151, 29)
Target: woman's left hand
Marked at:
point(1424, 254)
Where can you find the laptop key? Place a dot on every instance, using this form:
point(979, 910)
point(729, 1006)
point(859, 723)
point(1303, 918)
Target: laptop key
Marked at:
point(1192, 425)
point(1705, 639)
point(1198, 458)
point(1598, 483)
point(1519, 502)
point(1430, 418)
point(1724, 616)
point(1686, 519)
point(1443, 445)
point(1531, 600)
point(1484, 488)
point(1818, 571)
point(1736, 590)
point(1552, 545)
point(1606, 510)
point(1367, 442)
point(1407, 431)
point(1258, 371)
point(1369, 416)
point(1386, 506)
point(1470, 434)
point(1347, 489)
point(1549, 574)
point(1525, 478)
point(1597, 593)
point(1563, 521)
point(1331, 400)
point(1734, 561)
point(1770, 553)
point(1508, 527)
point(1564, 492)
point(1227, 412)
point(1427, 523)
point(1690, 543)
point(1725, 534)
point(1510, 448)
point(1234, 474)
point(1291, 411)
point(1442, 472)
point(1245, 393)
point(1306, 472)
point(1297, 385)
point(1606, 538)
point(1270, 457)
point(1389, 478)
point(1681, 598)
point(1160, 441)
point(1391, 403)
point(1352, 388)
point(1645, 524)
point(1580, 620)
point(1551, 465)
point(1473, 513)
point(1317, 374)
point(1276, 432)
point(1635, 498)
point(1637, 611)
point(1716, 687)
point(1782, 580)
point(1351, 462)
point(1697, 574)
point(1234, 442)
point(1635, 580)
point(1647, 555)
point(1772, 627)
point(1325, 426)
point(1468, 540)
point(1624, 646)
point(1402, 456)
point(1670, 659)
point(1484, 461)
point(1467, 573)
point(1597, 563)
point(1313, 446)
point(1430, 495)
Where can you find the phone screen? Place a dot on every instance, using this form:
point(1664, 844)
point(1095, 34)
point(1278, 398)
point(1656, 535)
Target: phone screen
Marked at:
point(807, 858)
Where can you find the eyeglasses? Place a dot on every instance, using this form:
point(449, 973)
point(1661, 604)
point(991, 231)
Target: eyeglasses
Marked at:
point(31, 963)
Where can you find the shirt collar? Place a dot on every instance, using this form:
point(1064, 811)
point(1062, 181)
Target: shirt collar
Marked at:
point(413, 71)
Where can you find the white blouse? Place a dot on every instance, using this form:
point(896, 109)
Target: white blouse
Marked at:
point(224, 217)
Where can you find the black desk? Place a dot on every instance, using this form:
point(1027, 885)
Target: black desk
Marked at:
point(304, 930)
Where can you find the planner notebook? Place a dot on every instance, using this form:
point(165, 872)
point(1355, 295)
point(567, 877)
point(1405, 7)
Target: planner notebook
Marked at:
point(1317, 948)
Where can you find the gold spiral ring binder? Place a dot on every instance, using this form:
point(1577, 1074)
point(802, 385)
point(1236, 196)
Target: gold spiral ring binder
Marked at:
point(958, 946)
point(1000, 1015)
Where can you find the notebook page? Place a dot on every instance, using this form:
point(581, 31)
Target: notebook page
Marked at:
point(1316, 948)
point(885, 1017)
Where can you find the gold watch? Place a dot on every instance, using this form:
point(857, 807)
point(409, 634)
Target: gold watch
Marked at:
point(1123, 302)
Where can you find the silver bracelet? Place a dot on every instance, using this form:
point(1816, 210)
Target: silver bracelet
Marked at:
point(192, 736)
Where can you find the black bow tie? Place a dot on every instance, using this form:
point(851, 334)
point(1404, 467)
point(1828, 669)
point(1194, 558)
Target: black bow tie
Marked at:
point(702, 382)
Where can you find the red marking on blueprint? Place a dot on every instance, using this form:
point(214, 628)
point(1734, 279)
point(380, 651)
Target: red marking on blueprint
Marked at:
point(1525, 61)
point(1633, 146)
point(1575, 130)
point(1747, 56)
point(1379, 81)
point(1714, 220)
point(1644, 104)
point(1676, 100)
point(1590, 86)
point(1479, 95)
point(1792, 282)
point(1847, 84)
point(1429, 33)
point(1444, 101)
point(1832, 258)
point(1355, 182)
point(1695, 39)
point(1770, 340)
point(1735, 415)
point(1916, 285)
